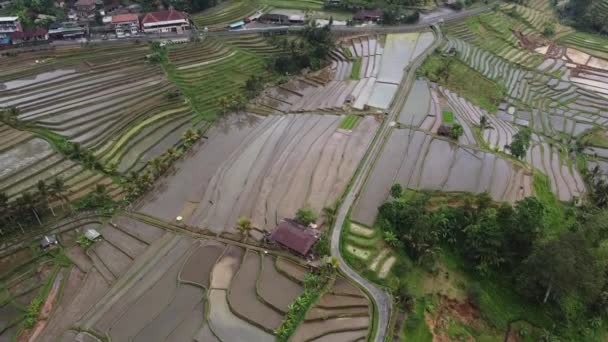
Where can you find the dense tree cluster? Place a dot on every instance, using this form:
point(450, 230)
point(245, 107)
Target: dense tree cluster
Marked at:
point(568, 269)
point(584, 14)
point(31, 207)
point(309, 50)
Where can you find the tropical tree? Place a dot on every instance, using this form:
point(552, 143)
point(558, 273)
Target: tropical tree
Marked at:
point(244, 226)
point(456, 131)
point(224, 102)
point(396, 190)
point(390, 238)
point(44, 193)
point(157, 165)
point(190, 136)
point(520, 143)
point(27, 203)
point(329, 215)
point(238, 102)
point(561, 268)
point(306, 215)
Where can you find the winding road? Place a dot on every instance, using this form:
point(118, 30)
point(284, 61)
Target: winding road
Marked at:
point(381, 298)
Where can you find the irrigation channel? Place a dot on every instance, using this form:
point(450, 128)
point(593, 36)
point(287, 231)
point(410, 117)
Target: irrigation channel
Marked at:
point(381, 298)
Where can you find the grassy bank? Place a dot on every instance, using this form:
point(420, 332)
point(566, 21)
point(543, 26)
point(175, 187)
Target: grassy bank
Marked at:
point(458, 77)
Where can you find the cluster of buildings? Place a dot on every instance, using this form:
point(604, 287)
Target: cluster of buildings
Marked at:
point(83, 22)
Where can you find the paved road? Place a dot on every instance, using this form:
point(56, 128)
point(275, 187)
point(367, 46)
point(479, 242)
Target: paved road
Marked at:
point(422, 24)
point(380, 297)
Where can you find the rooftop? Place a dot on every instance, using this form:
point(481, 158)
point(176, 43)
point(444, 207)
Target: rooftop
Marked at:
point(294, 236)
point(38, 32)
point(367, 14)
point(170, 15)
point(121, 18)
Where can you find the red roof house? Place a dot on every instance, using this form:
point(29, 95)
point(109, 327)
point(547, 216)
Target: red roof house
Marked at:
point(294, 236)
point(165, 21)
point(125, 18)
point(18, 37)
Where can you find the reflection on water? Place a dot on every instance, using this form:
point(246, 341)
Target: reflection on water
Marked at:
point(237, 120)
point(38, 78)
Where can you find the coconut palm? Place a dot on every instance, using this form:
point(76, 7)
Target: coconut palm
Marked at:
point(44, 193)
point(191, 135)
point(224, 102)
point(172, 154)
point(27, 203)
point(157, 166)
point(244, 226)
point(58, 190)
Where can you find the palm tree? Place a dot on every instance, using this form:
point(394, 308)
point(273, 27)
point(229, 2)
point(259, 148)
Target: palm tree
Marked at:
point(44, 192)
point(58, 191)
point(157, 166)
point(172, 154)
point(238, 101)
point(27, 202)
point(329, 214)
point(190, 136)
point(244, 226)
point(224, 102)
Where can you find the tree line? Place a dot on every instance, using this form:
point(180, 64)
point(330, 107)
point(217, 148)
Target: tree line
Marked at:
point(310, 49)
point(566, 269)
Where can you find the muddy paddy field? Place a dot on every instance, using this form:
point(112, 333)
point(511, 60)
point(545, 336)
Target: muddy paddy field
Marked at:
point(264, 168)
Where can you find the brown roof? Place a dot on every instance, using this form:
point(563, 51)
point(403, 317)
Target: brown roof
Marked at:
point(170, 15)
point(39, 32)
point(121, 18)
point(294, 236)
point(368, 14)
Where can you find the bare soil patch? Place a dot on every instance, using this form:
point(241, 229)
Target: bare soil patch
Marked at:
point(226, 267)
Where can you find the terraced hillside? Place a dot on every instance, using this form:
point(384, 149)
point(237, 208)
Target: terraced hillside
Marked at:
point(227, 12)
point(207, 291)
point(264, 169)
point(27, 159)
point(365, 73)
point(115, 105)
point(208, 71)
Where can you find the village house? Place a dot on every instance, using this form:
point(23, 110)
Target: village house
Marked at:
point(368, 15)
point(29, 36)
point(165, 21)
point(66, 30)
point(85, 8)
point(125, 24)
point(295, 237)
point(8, 25)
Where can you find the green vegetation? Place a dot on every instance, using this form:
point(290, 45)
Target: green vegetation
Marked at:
point(308, 50)
point(295, 4)
point(511, 262)
point(595, 137)
point(315, 284)
point(521, 143)
point(356, 70)
point(457, 76)
point(349, 122)
point(415, 327)
point(448, 117)
point(306, 216)
point(226, 12)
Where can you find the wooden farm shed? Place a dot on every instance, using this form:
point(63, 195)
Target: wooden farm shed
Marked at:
point(295, 237)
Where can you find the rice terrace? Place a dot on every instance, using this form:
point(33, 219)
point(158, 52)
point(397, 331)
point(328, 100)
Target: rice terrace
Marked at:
point(304, 170)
